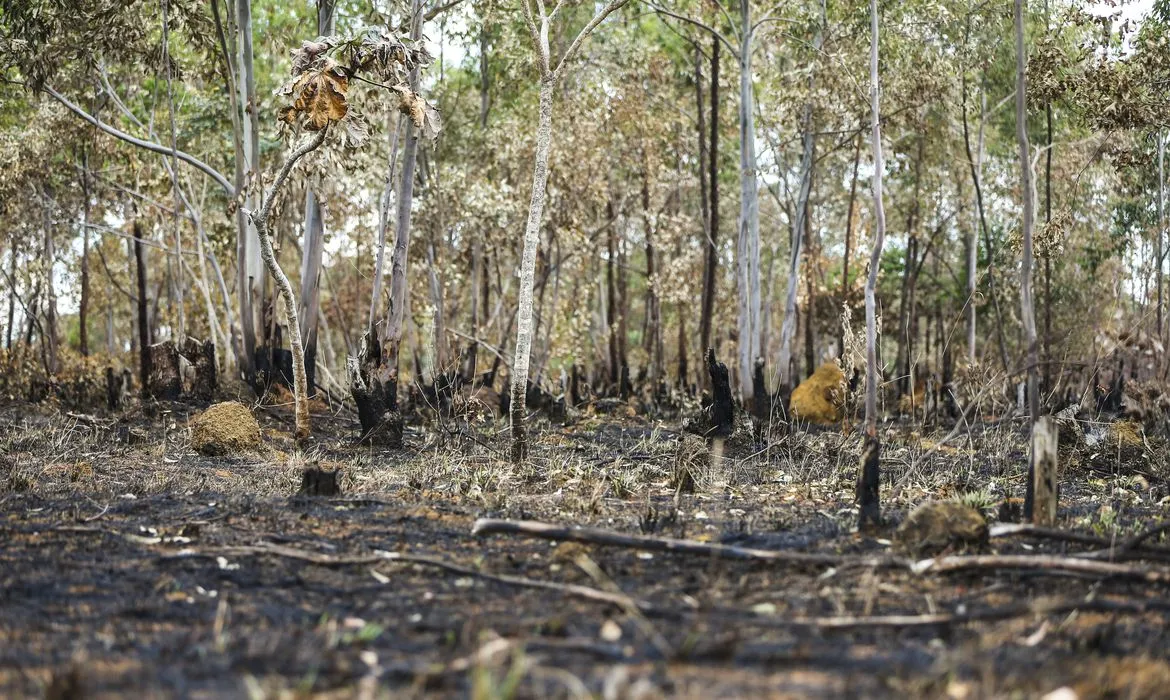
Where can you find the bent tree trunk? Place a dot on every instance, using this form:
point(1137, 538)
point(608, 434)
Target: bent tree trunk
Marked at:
point(518, 406)
point(260, 220)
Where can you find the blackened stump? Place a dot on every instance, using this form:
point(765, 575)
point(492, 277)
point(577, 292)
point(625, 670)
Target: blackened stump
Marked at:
point(373, 387)
point(164, 381)
point(316, 481)
point(868, 484)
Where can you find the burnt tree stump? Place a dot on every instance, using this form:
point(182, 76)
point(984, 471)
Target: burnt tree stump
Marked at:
point(113, 389)
point(202, 358)
point(718, 418)
point(372, 386)
point(316, 481)
point(164, 381)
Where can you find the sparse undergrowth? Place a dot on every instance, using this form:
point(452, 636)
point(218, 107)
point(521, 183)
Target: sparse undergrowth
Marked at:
point(94, 519)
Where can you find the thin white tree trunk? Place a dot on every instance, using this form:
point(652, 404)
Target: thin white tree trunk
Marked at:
point(788, 326)
point(1027, 310)
point(1160, 234)
point(528, 271)
point(252, 272)
point(179, 284)
point(384, 218)
point(748, 242)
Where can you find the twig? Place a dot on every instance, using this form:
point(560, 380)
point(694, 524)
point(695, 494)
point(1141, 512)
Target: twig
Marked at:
point(530, 528)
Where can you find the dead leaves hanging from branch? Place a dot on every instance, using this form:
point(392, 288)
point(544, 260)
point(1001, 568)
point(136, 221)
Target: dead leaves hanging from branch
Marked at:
point(317, 94)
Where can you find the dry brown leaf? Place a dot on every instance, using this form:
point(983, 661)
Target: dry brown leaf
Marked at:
point(321, 98)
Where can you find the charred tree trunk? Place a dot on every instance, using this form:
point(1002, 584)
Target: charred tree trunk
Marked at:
point(869, 472)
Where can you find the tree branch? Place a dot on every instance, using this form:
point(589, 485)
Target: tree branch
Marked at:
point(148, 145)
point(701, 25)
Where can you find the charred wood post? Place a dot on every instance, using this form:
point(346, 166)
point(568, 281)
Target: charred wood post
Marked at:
point(1045, 485)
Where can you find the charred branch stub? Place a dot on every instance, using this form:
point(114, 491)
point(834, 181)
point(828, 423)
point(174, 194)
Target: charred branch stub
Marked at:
point(374, 390)
point(868, 485)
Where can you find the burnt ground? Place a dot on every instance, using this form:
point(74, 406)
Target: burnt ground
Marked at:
point(123, 569)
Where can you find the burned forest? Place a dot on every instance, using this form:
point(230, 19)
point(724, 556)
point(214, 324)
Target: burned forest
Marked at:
point(622, 349)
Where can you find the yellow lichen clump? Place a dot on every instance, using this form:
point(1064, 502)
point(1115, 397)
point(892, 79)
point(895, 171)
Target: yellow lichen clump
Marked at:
point(821, 398)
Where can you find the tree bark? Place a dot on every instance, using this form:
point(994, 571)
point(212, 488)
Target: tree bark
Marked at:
point(1159, 235)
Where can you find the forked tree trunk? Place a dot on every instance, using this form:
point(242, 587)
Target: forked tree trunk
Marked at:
point(976, 162)
point(396, 317)
point(314, 245)
point(1027, 308)
point(869, 477)
point(799, 232)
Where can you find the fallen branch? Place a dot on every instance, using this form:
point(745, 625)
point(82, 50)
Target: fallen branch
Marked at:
point(1132, 548)
point(1042, 563)
point(609, 538)
point(378, 557)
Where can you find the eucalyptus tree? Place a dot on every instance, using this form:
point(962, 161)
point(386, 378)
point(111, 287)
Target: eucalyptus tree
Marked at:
point(539, 22)
point(741, 44)
point(869, 476)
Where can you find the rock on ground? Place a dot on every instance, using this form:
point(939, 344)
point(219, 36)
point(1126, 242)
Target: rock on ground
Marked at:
point(225, 429)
